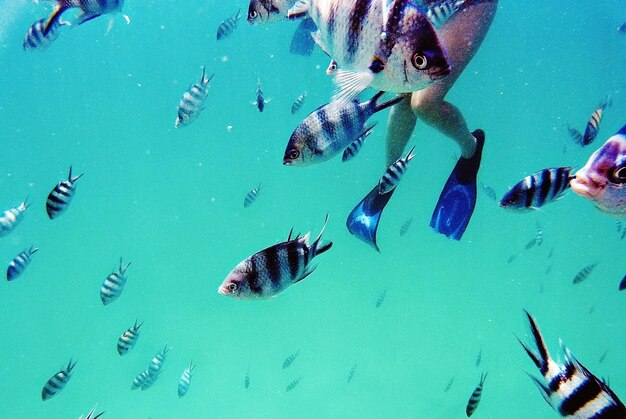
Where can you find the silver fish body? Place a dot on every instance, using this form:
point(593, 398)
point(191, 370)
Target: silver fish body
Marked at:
point(193, 100)
point(35, 40)
point(57, 382)
point(297, 104)
point(12, 217)
point(157, 362)
point(61, 196)
point(128, 339)
point(113, 284)
point(538, 189)
point(227, 27)
point(185, 381)
point(272, 270)
point(252, 196)
point(593, 125)
point(394, 173)
point(19, 263)
point(143, 381)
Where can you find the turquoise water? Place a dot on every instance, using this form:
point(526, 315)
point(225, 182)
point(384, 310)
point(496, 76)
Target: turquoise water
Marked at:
point(171, 201)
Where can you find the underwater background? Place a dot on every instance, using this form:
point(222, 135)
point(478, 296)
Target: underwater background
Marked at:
point(171, 201)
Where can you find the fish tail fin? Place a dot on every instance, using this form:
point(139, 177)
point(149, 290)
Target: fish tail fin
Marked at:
point(541, 360)
point(410, 154)
point(388, 104)
point(318, 247)
point(27, 204)
point(607, 102)
point(33, 249)
point(62, 6)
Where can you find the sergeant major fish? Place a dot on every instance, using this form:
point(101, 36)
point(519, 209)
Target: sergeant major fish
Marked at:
point(267, 273)
point(603, 179)
point(192, 102)
point(394, 173)
point(406, 225)
point(260, 100)
point(61, 196)
point(185, 380)
point(352, 372)
point(12, 217)
point(330, 129)
point(570, 388)
point(142, 381)
point(89, 9)
point(584, 273)
point(474, 400)
point(113, 284)
point(128, 339)
point(297, 104)
point(227, 27)
point(19, 263)
point(293, 384)
point(538, 189)
point(35, 40)
point(290, 359)
point(252, 196)
point(593, 126)
point(57, 382)
point(157, 362)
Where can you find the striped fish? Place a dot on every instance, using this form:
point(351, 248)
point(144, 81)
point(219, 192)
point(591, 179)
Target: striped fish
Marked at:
point(252, 196)
point(330, 129)
point(538, 189)
point(57, 382)
point(593, 126)
point(157, 362)
point(92, 414)
point(185, 380)
point(584, 273)
point(297, 104)
point(290, 359)
point(143, 381)
point(227, 27)
point(574, 134)
point(12, 217)
point(192, 102)
point(474, 400)
point(489, 191)
point(19, 263)
point(293, 384)
point(538, 234)
point(35, 40)
point(89, 9)
point(246, 380)
point(352, 372)
point(61, 196)
point(394, 173)
point(570, 388)
point(381, 298)
point(479, 358)
point(406, 225)
point(332, 67)
point(270, 271)
point(449, 385)
point(128, 339)
point(260, 101)
point(355, 146)
point(113, 285)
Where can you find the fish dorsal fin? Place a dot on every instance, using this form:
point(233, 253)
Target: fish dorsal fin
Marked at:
point(299, 9)
point(350, 83)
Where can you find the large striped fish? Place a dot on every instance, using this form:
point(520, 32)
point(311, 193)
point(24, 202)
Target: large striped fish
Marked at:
point(270, 271)
point(388, 45)
point(61, 196)
point(192, 102)
point(113, 284)
point(128, 339)
point(12, 217)
point(185, 380)
point(227, 27)
point(19, 263)
point(89, 9)
point(35, 40)
point(593, 125)
point(570, 388)
point(603, 179)
point(538, 189)
point(331, 128)
point(57, 382)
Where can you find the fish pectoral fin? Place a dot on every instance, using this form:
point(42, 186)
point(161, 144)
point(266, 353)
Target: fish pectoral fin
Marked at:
point(127, 19)
point(86, 17)
point(350, 84)
point(308, 272)
point(299, 10)
point(110, 25)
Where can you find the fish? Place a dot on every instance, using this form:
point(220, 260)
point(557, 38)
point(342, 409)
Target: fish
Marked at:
point(113, 284)
point(381, 298)
point(332, 67)
point(352, 372)
point(538, 189)
point(260, 101)
point(603, 178)
point(157, 362)
point(385, 45)
point(19, 263)
point(570, 388)
point(394, 173)
point(35, 40)
point(584, 273)
point(532, 243)
point(549, 268)
point(297, 104)
point(61, 196)
point(512, 257)
point(185, 380)
point(603, 357)
point(449, 385)
point(128, 339)
point(489, 191)
point(193, 100)
point(479, 358)
point(575, 135)
point(621, 228)
point(406, 225)
point(622, 284)
point(267, 11)
point(227, 27)
point(92, 414)
point(57, 382)
point(272, 270)
point(622, 28)
point(246, 380)
point(12, 217)
point(331, 128)
point(89, 9)
point(539, 234)
point(290, 359)
point(143, 381)
point(474, 400)
point(251, 196)
point(293, 384)
point(355, 146)
point(593, 126)
point(550, 253)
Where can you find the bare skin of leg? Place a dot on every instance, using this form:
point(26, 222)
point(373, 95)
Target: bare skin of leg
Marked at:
point(462, 37)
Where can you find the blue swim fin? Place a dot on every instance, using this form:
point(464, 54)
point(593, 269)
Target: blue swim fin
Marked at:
point(458, 198)
point(364, 218)
point(302, 42)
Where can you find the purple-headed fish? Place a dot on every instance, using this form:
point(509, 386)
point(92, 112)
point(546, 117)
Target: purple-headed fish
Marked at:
point(270, 271)
point(265, 11)
point(603, 179)
point(89, 9)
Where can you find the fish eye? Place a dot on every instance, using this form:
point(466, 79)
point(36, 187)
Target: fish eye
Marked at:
point(232, 287)
point(253, 14)
point(293, 154)
point(419, 61)
point(618, 174)
point(333, 67)
point(512, 200)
